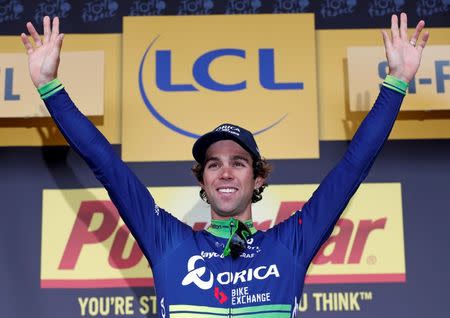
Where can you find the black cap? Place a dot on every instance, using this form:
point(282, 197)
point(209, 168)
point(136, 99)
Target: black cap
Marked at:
point(225, 132)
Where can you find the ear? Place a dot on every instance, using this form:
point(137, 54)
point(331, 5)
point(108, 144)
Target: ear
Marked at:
point(259, 181)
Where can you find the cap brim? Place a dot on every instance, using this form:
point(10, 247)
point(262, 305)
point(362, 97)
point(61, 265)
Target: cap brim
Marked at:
point(202, 144)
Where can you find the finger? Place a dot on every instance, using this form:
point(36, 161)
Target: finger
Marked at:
point(26, 43)
point(386, 40)
point(394, 27)
point(34, 34)
point(55, 29)
point(417, 31)
point(59, 42)
point(404, 26)
point(423, 42)
point(47, 31)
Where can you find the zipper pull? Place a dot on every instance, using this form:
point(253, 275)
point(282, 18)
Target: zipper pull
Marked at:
point(231, 227)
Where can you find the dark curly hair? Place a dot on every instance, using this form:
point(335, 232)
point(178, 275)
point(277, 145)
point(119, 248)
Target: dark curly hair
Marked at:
point(261, 168)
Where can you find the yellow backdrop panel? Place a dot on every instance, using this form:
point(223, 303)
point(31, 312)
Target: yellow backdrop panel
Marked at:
point(429, 90)
point(336, 120)
point(19, 99)
point(42, 131)
point(190, 40)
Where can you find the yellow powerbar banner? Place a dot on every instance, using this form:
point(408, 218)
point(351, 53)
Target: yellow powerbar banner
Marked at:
point(85, 244)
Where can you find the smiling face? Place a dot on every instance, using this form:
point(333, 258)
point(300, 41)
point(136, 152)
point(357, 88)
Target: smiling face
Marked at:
point(228, 180)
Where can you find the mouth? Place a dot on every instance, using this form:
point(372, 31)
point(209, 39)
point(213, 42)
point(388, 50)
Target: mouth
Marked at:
point(227, 190)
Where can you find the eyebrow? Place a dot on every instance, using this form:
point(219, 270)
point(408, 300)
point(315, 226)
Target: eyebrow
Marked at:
point(237, 157)
point(240, 158)
point(211, 159)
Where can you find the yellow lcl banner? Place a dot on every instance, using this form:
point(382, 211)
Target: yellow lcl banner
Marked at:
point(85, 244)
point(185, 75)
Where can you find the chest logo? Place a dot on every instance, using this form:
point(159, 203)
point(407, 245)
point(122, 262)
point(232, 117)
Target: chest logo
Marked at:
point(195, 275)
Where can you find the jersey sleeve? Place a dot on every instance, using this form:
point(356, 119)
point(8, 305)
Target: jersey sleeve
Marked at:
point(155, 230)
point(306, 230)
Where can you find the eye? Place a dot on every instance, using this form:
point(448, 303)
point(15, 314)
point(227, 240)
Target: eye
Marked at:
point(212, 165)
point(239, 164)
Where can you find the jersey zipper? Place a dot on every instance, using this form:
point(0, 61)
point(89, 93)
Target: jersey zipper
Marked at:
point(231, 271)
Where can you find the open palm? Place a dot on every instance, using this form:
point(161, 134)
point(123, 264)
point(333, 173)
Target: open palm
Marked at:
point(44, 55)
point(404, 55)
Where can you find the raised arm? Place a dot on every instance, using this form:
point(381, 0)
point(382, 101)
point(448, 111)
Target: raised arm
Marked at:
point(321, 212)
point(154, 229)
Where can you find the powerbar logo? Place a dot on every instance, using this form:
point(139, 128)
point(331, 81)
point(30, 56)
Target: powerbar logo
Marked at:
point(85, 244)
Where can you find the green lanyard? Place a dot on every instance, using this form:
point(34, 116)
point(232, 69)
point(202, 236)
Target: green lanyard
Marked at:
point(235, 231)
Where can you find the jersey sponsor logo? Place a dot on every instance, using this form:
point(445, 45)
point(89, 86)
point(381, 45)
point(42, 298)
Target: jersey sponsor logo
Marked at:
point(212, 254)
point(220, 295)
point(246, 275)
point(197, 276)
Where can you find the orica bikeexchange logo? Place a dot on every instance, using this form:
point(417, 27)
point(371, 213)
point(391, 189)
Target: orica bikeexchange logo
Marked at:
point(99, 10)
point(426, 8)
point(194, 275)
point(229, 129)
point(379, 8)
point(334, 8)
point(52, 8)
point(198, 276)
point(10, 10)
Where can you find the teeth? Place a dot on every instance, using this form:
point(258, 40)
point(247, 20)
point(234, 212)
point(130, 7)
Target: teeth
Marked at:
point(227, 190)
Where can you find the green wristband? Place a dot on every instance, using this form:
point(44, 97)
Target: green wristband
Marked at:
point(395, 84)
point(50, 88)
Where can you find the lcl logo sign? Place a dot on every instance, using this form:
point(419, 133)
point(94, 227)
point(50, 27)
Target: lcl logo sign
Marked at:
point(200, 72)
point(202, 79)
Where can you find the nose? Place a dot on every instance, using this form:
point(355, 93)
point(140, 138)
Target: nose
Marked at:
point(226, 173)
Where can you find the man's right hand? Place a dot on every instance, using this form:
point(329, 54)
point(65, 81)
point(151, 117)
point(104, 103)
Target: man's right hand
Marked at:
point(43, 56)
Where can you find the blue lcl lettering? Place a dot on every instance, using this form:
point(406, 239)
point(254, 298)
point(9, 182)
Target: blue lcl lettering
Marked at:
point(164, 73)
point(267, 72)
point(9, 78)
point(200, 72)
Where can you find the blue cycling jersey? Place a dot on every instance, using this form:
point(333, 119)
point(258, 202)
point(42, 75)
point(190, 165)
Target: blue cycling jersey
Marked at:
point(192, 278)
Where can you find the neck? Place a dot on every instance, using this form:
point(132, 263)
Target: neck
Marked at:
point(242, 216)
point(223, 228)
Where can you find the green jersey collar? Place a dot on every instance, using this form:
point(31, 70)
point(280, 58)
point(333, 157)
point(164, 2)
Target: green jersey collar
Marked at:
point(224, 228)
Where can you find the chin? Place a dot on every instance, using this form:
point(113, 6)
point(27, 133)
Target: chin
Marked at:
point(226, 212)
